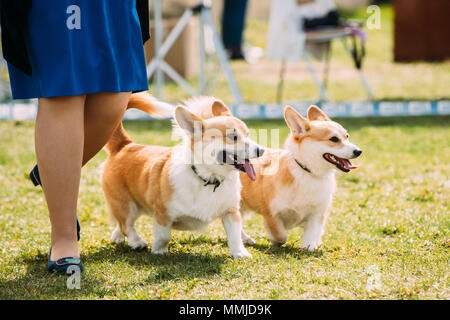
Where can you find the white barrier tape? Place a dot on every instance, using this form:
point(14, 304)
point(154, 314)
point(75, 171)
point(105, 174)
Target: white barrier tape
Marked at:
point(22, 111)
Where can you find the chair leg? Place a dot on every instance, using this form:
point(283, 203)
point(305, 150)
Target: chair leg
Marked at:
point(281, 82)
point(319, 85)
point(326, 70)
point(361, 74)
point(366, 84)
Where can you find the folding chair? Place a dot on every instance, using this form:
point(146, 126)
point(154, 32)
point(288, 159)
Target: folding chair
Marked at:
point(326, 36)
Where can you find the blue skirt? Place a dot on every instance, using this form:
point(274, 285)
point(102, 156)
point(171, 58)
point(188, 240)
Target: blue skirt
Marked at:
point(80, 47)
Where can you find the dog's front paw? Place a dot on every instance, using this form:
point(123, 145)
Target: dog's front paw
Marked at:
point(117, 237)
point(310, 246)
point(249, 240)
point(160, 250)
point(139, 244)
point(241, 253)
point(160, 246)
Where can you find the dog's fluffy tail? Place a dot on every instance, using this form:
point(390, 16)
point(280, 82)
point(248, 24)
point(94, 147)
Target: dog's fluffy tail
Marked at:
point(150, 105)
point(144, 102)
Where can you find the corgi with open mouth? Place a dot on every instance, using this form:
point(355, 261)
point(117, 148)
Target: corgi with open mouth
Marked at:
point(183, 187)
point(300, 181)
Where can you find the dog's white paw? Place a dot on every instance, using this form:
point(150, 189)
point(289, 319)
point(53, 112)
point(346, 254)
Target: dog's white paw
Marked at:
point(160, 250)
point(249, 240)
point(138, 244)
point(241, 253)
point(117, 237)
point(160, 246)
point(310, 246)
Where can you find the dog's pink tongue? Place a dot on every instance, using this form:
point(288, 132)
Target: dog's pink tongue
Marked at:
point(249, 170)
point(348, 164)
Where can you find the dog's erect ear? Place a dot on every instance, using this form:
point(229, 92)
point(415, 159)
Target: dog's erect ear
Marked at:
point(189, 122)
point(315, 114)
point(295, 121)
point(220, 109)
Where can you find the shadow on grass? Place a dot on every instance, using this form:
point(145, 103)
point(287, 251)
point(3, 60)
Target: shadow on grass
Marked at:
point(104, 267)
point(265, 248)
point(38, 283)
point(174, 265)
point(286, 250)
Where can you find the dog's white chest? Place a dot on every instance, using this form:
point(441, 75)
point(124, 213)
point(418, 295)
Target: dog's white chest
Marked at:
point(195, 205)
point(306, 197)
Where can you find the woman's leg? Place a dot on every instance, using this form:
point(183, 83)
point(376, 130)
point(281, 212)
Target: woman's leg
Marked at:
point(59, 140)
point(102, 113)
point(86, 121)
point(233, 24)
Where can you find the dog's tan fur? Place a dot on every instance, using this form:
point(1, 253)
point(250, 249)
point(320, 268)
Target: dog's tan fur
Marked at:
point(292, 196)
point(156, 180)
point(131, 169)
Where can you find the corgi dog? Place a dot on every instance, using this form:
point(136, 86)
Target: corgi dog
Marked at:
point(183, 187)
point(300, 191)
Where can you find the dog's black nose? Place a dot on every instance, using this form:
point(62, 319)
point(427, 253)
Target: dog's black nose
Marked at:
point(260, 152)
point(357, 152)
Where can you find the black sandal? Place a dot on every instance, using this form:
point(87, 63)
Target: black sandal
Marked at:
point(62, 265)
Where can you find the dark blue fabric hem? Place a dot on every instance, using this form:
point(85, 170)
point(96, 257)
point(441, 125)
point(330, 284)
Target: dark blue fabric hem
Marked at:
point(72, 94)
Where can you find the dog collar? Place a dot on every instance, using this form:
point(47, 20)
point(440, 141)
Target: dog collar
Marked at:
point(215, 182)
point(303, 167)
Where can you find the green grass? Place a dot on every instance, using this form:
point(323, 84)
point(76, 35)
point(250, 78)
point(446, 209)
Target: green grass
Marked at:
point(387, 236)
point(389, 80)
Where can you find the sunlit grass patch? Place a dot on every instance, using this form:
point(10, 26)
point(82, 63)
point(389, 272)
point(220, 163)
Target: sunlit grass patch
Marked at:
point(387, 236)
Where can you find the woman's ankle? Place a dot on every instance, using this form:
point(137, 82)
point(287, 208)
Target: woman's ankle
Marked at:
point(63, 248)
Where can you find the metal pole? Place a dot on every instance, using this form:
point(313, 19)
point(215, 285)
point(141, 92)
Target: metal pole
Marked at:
point(169, 42)
point(221, 53)
point(177, 78)
point(361, 74)
point(159, 29)
point(159, 66)
point(201, 40)
point(309, 64)
point(281, 82)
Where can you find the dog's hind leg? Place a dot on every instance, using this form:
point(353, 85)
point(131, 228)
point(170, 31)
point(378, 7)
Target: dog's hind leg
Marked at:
point(125, 213)
point(118, 212)
point(162, 234)
point(246, 238)
point(275, 229)
point(134, 239)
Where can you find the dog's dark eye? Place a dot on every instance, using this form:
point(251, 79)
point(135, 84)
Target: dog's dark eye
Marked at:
point(334, 139)
point(232, 136)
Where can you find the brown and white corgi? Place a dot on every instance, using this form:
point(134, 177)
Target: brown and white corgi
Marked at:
point(183, 187)
point(300, 190)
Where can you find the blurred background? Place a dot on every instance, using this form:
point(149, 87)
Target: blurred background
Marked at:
point(407, 54)
point(359, 50)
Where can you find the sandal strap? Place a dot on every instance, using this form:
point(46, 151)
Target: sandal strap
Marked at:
point(68, 260)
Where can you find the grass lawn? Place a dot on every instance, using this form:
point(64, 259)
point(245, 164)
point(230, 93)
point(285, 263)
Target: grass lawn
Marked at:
point(387, 237)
